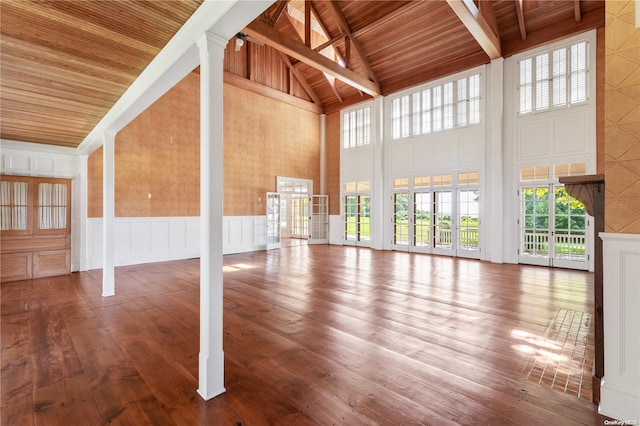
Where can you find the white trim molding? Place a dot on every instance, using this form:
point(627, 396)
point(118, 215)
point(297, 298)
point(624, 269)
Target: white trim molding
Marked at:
point(620, 390)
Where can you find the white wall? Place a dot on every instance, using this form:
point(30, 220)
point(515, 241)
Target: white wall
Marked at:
point(157, 239)
point(620, 389)
point(558, 136)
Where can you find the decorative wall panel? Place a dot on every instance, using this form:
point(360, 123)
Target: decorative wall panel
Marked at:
point(620, 391)
point(157, 239)
point(622, 118)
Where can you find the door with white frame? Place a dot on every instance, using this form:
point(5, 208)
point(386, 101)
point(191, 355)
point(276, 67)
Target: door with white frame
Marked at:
point(357, 213)
point(319, 219)
point(294, 206)
point(435, 214)
point(273, 235)
point(554, 228)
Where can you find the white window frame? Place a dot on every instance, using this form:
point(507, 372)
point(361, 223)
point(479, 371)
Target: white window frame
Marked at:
point(437, 106)
point(552, 86)
point(356, 126)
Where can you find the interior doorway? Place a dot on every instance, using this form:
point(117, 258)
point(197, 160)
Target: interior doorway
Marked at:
point(294, 209)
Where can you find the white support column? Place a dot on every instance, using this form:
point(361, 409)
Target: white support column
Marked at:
point(323, 154)
point(378, 175)
point(211, 359)
point(108, 214)
point(494, 231)
point(80, 211)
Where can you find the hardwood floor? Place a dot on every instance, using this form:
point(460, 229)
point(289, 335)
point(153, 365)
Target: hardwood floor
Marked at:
point(313, 335)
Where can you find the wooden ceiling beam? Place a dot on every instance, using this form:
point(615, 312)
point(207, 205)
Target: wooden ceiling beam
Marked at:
point(470, 16)
point(329, 43)
point(272, 37)
point(325, 30)
point(307, 23)
point(340, 19)
point(576, 10)
point(303, 82)
point(520, 13)
point(282, 4)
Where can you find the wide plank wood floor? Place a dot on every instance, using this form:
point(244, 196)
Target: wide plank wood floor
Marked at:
point(313, 335)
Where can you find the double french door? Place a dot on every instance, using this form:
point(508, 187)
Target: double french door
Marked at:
point(553, 228)
point(357, 219)
point(440, 222)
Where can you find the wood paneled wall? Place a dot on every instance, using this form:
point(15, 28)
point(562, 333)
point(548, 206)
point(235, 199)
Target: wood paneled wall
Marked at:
point(333, 162)
point(158, 153)
point(622, 119)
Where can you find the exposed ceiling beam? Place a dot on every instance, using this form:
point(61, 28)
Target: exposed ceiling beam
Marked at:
point(307, 23)
point(325, 30)
point(520, 13)
point(298, 75)
point(576, 10)
point(277, 40)
point(329, 43)
point(282, 4)
point(470, 16)
point(340, 19)
point(486, 11)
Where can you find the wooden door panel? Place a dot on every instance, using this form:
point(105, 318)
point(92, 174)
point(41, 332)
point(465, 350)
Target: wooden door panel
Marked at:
point(16, 266)
point(50, 263)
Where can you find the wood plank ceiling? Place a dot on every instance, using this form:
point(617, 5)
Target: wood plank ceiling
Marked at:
point(65, 63)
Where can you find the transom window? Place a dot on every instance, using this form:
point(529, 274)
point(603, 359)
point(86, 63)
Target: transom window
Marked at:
point(554, 79)
point(356, 128)
point(441, 107)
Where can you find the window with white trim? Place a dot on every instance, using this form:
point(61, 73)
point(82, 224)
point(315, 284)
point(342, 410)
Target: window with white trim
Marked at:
point(356, 127)
point(553, 79)
point(440, 107)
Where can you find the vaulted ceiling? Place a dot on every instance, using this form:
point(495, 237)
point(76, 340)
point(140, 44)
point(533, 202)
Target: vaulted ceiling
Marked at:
point(63, 64)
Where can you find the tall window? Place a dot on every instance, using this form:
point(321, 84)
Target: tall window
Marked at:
point(356, 127)
point(440, 107)
point(554, 79)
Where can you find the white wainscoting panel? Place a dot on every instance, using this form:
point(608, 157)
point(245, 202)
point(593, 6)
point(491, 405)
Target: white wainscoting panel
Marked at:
point(336, 227)
point(158, 239)
point(19, 158)
point(620, 389)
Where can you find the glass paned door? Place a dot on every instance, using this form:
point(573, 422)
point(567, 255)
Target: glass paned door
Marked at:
point(469, 222)
point(273, 221)
point(553, 228)
point(443, 222)
point(299, 216)
point(364, 218)
point(534, 225)
point(357, 215)
point(570, 231)
point(319, 219)
point(422, 220)
point(401, 220)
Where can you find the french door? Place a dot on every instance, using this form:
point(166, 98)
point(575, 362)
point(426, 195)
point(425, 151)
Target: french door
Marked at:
point(357, 219)
point(319, 219)
point(553, 228)
point(273, 236)
point(440, 222)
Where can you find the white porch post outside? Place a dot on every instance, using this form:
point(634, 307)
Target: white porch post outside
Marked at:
point(108, 214)
point(211, 359)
